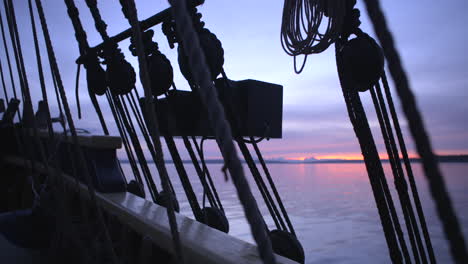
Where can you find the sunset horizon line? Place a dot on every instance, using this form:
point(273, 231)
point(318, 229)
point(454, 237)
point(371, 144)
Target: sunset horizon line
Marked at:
point(336, 158)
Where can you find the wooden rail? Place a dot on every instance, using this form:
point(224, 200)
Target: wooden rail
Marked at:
point(201, 244)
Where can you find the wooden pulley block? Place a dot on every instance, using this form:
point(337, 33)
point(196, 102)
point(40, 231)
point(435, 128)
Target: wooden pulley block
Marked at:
point(287, 245)
point(214, 54)
point(215, 218)
point(363, 61)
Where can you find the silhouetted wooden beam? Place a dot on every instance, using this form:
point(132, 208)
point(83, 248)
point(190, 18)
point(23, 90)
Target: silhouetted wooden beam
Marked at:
point(144, 25)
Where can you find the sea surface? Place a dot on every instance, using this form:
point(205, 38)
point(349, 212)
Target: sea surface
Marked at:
point(332, 207)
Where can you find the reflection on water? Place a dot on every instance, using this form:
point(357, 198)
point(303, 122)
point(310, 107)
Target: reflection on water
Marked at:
point(332, 208)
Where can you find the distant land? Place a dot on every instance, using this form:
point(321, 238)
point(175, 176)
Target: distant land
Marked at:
point(440, 158)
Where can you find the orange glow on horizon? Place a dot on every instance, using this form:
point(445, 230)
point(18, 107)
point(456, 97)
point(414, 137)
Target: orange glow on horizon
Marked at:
point(298, 158)
point(340, 157)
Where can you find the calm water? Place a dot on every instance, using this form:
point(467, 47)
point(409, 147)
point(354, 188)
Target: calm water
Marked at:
point(332, 208)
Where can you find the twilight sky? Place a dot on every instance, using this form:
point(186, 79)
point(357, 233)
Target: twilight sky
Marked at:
point(430, 35)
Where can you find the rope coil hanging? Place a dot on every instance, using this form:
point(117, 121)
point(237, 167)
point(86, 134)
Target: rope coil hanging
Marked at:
point(301, 24)
point(360, 67)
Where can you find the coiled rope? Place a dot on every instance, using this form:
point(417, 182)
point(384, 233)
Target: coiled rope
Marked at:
point(301, 24)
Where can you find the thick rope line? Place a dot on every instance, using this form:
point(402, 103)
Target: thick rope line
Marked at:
point(129, 10)
point(71, 124)
point(143, 129)
point(125, 140)
point(184, 179)
point(3, 83)
point(272, 208)
point(206, 188)
point(77, 90)
point(36, 138)
point(81, 36)
point(74, 154)
point(83, 46)
point(122, 111)
point(98, 22)
point(206, 173)
point(222, 129)
point(40, 70)
point(409, 170)
point(139, 116)
point(16, 54)
point(7, 54)
point(136, 144)
point(261, 186)
point(57, 98)
point(423, 145)
point(28, 147)
point(128, 124)
point(397, 177)
point(377, 170)
point(273, 187)
point(403, 186)
point(80, 33)
point(97, 108)
point(382, 208)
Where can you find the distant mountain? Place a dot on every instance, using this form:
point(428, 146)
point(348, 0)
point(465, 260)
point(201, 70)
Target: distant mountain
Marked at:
point(440, 158)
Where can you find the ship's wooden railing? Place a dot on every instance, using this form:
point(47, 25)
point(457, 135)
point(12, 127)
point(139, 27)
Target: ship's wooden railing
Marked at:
point(201, 244)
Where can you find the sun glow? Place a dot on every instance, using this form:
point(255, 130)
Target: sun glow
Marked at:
point(340, 157)
point(298, 158)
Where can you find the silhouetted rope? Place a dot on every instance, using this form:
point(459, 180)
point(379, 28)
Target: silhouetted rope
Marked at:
point(207, 192)
point(40, 71)
point(3, 82)
point(77, 88)
point(371, 159)
point(409, 170)
point(7, 55)
point(98, 22)
point(402, 181)
point(271, 205)
point(126, 143)
point(400, 184)
point(129, 10)
point(423, 145)
point(114, 59)
point(122, 111)
point(261, 186)
point(302, 23)
point(91, 62)
point(81, 159)
point(221, 127)
point(191, 197)
point(206, 172)
point(273, 187)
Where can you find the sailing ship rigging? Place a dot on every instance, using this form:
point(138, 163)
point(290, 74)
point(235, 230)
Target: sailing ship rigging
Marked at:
point(76, 179)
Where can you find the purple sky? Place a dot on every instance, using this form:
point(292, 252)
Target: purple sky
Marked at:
point(430, 37)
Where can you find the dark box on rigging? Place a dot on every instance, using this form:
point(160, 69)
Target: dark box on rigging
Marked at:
point(253, 108)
